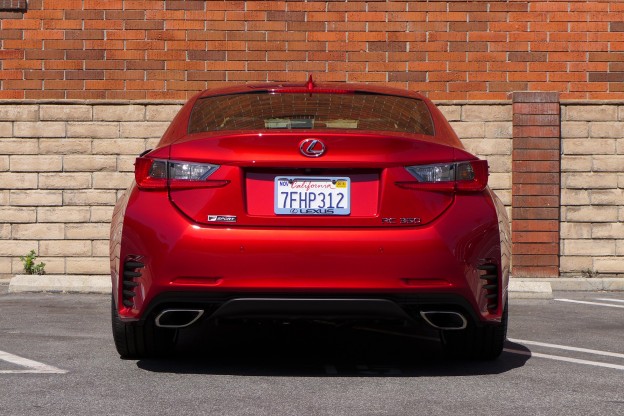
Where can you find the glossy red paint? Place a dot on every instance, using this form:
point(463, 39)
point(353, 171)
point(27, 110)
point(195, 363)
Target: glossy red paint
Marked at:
point(226, 242)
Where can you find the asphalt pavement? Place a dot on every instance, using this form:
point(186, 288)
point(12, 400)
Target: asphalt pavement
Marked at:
point(565, 356)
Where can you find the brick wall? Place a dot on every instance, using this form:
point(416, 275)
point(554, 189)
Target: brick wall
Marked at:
point(592, 198)
point(451, 50)
point(536, 184)
point(63, 165)
point(66, 147)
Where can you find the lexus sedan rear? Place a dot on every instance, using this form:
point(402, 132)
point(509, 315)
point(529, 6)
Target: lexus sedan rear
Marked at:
point(302, 202)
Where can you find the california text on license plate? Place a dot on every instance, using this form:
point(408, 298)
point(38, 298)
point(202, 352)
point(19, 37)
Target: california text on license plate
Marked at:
point(312, 195)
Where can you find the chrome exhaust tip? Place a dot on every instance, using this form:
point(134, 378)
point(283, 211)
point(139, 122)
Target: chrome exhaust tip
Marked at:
point(178, 318)
point(445, 320)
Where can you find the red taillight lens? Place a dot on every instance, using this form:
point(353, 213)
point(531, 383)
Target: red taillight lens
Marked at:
point(150, 173)
point(160, 174)
point(470, 176)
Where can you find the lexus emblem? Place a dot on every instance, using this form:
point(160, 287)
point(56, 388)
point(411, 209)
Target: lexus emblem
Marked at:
point(312, 147)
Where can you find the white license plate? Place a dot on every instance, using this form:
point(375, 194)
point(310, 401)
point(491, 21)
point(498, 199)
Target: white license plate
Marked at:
point(312, 195)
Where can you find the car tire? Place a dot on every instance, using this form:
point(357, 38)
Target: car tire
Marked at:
point(480, 343)
point(136, 341)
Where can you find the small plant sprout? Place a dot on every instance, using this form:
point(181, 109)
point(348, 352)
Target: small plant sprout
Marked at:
point(29, 264)
point(589, 273)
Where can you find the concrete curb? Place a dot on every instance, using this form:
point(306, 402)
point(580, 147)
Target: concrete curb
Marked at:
point(612, 284)
point(519, 288)
point(60, 283)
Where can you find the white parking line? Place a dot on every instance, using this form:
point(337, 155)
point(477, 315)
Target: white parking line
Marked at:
point(610, 300)
point(584, 302)
point(566, 359)
point(567, 348)
point(32, 367)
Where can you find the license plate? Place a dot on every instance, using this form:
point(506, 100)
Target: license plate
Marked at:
point(312, 195)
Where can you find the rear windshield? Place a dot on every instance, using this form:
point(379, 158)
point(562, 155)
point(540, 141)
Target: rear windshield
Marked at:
point(275, 111)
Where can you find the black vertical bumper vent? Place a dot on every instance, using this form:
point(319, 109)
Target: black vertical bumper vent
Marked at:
point(490, 276)
point(131, 271)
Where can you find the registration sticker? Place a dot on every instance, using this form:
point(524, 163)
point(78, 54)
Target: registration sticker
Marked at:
point(312, 195)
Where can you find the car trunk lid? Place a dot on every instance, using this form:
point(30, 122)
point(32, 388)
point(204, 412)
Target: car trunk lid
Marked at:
point(270, 181)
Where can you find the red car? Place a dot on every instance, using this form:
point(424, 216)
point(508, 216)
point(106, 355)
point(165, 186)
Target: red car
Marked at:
point(309, 201)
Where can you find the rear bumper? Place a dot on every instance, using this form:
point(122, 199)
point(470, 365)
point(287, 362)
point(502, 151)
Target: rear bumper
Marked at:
point(437, 261)
point(318, 306)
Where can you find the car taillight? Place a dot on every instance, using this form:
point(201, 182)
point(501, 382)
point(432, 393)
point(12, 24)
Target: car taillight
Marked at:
point(310, 87)
point(160, 174)
point(471, 176)
point(150, 173)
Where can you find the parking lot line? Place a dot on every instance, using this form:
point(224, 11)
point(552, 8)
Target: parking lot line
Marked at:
point(584, 302)
point(32, 367)
point(610, 300)
point(567, 348)
point(566, 359)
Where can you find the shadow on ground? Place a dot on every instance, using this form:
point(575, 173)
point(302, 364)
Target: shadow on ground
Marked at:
point(320, 350)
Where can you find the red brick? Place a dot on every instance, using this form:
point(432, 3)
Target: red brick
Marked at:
point(103, 24)
point(535, 166)
point(530, 213)
point(12, 54)
point(84, 34)
point(537, 201)
point(91, 74)
point(538, 271)
point(12, 95)
point(468, 47)
point(536, 131)
point(86, 95)
point(11, 34)
point(535, 189)
point(527, 76)
point(535, 177)
point(138, 44)
point(507, 86)
point(535, 248)
point(567, 76)
point(11, 15)
point(205, 76)
point(84, 14)
point(184, 5)
point(13, 74)
point(65, 65)
point(535, 154)
point(535, 237)
point(37, 74)
point(534, 108)
point(44, 95)
point(467, 86)
point(64, 85)
point(15, 64)
point(535, 225)
point(104, 85)
point(520, 119)
point(533, 260)
point(43, 34)
point(142, 64)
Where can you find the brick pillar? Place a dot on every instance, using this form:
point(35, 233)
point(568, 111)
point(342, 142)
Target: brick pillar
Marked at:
point(536, 177)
